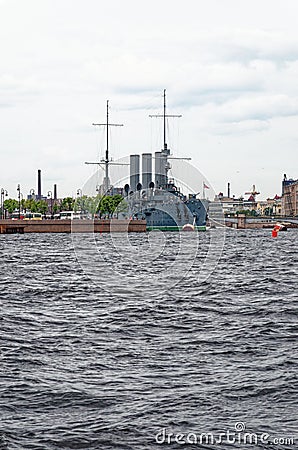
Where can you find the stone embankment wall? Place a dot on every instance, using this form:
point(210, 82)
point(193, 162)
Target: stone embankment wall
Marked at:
point(75, 226)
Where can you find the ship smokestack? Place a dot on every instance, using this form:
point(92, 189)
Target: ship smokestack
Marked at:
point(39, 184)
point(160, 169)
point(55, 191)
point(134, 171)
point(146, 169)
point(229, 191)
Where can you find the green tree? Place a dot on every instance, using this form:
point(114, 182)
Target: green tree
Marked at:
point(30, 205)
point(243, 211)
point(108, 205)
point(268, 211)
point(67, 204)
point(11, 205)
point(42, 206)
point(82, 203)
point(119, 204)
point(104, 206)
point(92, 205)
point(56, 208)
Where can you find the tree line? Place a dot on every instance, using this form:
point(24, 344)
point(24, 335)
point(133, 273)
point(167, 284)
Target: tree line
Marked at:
point(106, 205)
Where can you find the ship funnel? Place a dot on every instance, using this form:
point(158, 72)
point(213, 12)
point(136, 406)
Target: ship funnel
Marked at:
point(146, 169)
point(160, 169)
point(134, 171)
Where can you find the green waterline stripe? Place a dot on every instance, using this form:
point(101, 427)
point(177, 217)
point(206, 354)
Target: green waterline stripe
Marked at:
point(173, 228)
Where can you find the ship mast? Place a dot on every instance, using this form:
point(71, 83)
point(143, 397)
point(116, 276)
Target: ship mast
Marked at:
point(106, 161)
point(107, 150)
point(164, 116)
point(165, 152)
point(164, 121)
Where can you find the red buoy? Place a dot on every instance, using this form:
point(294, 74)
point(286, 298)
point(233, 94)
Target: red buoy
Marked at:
point(274, 233)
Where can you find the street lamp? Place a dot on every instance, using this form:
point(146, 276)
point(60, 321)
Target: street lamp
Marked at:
point(50, 195)
point(19, 198)
point(80, 194)
point(3, 193)
point(32, 194)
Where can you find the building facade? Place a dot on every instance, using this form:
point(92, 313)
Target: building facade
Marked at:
point(289, 204)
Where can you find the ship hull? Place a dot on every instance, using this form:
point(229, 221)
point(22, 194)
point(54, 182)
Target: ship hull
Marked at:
point(168, 213)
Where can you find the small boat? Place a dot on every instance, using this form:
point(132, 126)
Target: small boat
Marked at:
point(279, 226)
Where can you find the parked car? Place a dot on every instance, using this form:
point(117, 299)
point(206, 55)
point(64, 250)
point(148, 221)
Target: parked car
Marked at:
point(16, 215)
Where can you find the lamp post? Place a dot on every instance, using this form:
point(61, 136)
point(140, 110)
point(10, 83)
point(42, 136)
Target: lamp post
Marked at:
point(19, 198)
point(32, 194)
point(50, 195)
point(4, 193)
point(80, 195)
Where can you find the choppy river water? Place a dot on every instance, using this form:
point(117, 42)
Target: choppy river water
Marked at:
point(86, 364)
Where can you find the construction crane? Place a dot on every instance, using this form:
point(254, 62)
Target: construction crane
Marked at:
point(252, 194)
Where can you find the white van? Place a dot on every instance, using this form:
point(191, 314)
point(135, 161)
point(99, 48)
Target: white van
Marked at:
point(72, 215)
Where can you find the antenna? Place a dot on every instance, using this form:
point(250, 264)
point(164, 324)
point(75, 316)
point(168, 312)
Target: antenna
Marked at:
point(106, 162)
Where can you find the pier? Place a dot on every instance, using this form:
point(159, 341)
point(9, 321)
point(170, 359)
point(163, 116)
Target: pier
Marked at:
point(246, 222)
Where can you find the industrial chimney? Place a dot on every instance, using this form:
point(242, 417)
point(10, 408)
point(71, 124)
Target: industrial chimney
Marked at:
point(229, 190)
point(55, 191)
point(39, 184)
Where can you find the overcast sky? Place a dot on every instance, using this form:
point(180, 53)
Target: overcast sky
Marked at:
point(230, 68)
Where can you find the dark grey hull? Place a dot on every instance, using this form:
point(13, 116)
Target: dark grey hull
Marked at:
point(170, 213)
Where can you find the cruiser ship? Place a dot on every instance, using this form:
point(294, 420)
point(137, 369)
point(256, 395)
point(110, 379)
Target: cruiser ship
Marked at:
point(161, 202)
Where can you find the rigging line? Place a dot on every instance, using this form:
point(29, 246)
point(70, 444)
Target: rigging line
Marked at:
point(168, 134)
point(100, 143)
point(171, 133)
point(97, 144)
point(111, 144)
point(151, 136)
point(149, 103)
point(178, 138)
point(152, 102)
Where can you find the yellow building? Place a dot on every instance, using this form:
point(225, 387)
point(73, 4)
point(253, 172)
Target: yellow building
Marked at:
point(269, 207)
